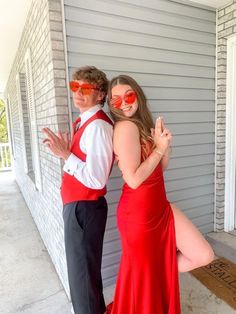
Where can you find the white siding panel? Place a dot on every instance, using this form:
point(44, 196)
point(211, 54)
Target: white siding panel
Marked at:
point(193, 139)
point(193, 128)
point(200, 201)
point(173, 81)
point(133, 12)
point(140, 66)
point(169, 48)
point(189, 150)
point(191, 161)
point(190, 172)
point(168, 105)
point(176, 8)
point(181, 184)
point(80, 45)
point(188, 117)
point(124, 36)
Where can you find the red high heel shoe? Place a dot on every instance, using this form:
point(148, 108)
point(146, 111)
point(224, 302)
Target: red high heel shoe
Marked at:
point(109, 308)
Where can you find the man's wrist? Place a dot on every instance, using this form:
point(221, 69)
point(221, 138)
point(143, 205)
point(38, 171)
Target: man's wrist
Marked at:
point(66, 155)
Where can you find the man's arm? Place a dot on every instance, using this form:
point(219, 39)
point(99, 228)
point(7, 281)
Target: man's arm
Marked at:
point(96, 143)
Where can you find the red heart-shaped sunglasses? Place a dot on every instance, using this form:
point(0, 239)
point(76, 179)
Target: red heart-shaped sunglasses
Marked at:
point(129, 98)
point(85, 88)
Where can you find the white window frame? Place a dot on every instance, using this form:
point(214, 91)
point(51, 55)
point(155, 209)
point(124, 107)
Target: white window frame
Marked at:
point(21, 119)
point(10, 130)
point(33, 120)
point(230, 145)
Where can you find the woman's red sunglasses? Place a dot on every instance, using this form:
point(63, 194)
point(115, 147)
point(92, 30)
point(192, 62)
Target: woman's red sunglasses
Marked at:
point(85, 88)
point(129, 98)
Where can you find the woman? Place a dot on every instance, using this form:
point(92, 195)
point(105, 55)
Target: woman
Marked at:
point(157, 239)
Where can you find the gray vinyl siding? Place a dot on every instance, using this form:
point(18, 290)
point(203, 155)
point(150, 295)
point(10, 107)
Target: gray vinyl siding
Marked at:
point(169, 47)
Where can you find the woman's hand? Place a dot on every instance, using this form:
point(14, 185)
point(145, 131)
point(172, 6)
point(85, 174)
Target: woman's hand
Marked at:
point(161, 136)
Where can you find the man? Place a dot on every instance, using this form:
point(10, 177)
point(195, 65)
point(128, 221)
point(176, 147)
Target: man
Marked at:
point(88, 162)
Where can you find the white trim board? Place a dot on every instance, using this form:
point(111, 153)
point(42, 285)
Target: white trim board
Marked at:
point(212, 3)
point(230, 143)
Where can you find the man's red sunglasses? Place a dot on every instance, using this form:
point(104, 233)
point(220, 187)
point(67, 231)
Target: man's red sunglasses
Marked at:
point(85, 88)
point(129, 98)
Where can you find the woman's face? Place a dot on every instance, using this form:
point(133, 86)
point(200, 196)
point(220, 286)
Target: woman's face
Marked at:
point(124, 98)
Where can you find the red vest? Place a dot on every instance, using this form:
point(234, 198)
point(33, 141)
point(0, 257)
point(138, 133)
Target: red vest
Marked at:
point(72, 189)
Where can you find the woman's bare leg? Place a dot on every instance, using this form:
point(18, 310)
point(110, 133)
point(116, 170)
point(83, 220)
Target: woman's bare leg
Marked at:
point(194, 250)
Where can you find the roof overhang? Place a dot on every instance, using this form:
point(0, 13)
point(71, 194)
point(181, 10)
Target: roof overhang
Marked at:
point(12, 20)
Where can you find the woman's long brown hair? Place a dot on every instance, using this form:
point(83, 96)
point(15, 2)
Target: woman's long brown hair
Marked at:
point(142, 117)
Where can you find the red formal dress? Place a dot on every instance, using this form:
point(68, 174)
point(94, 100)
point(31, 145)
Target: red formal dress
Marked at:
point(148, 277)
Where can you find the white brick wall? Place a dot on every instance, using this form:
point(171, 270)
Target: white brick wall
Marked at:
point(43, 35)
point(226, 26)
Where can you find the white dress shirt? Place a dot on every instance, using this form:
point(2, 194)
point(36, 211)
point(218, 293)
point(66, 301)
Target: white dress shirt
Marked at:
point(96, 143)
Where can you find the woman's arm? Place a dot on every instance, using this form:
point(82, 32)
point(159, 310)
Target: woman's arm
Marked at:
point(127, 147)
point(165, 159)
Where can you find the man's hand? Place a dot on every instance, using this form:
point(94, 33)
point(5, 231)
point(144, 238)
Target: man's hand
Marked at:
point(58, 144)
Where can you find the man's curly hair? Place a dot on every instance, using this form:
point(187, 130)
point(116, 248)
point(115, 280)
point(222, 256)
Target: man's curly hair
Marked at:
point(94, 76)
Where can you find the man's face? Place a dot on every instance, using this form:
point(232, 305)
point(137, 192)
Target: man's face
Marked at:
point(85, 95)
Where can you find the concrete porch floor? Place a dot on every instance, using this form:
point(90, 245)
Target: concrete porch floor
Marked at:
point(29, 282)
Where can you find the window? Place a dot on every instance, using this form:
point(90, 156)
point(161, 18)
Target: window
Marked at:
point(33, 146)
point(21, 99)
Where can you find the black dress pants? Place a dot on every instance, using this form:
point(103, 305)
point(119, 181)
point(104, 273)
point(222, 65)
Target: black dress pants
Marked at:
point(84, 227)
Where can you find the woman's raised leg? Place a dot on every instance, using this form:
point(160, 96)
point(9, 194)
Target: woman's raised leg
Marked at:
point(193, 250)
